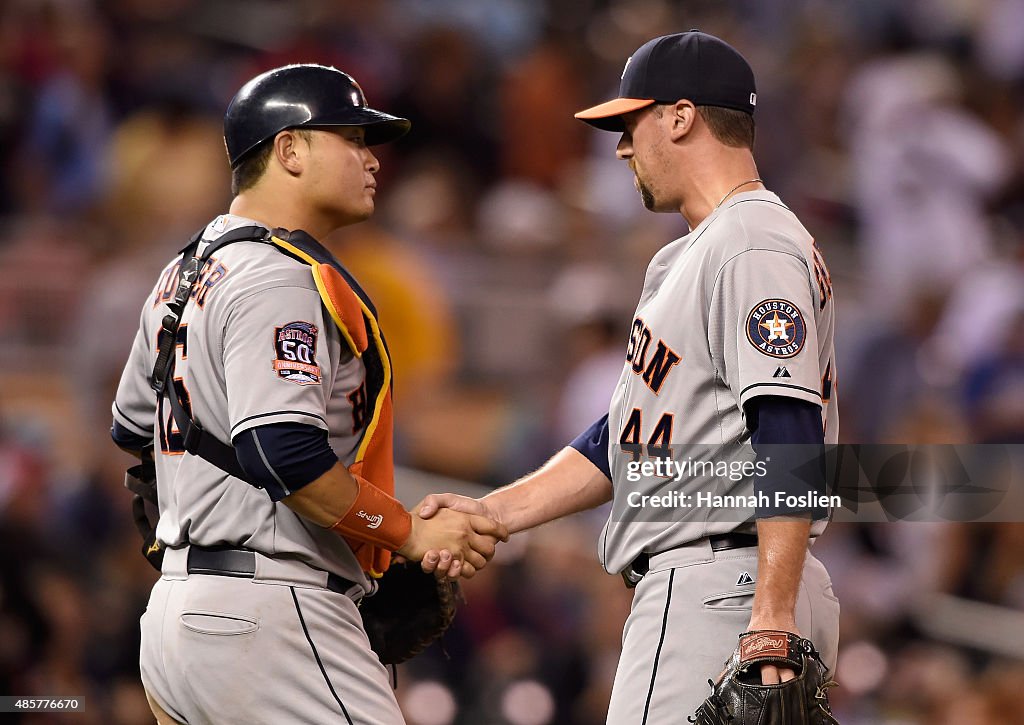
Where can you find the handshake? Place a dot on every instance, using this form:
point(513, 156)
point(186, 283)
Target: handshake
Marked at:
point(453, 536)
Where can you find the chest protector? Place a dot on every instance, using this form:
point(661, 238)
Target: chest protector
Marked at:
point(356, 318)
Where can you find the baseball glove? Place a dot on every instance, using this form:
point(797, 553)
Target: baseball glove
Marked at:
point(408, 612)
point(141, 481)
point(739, 698)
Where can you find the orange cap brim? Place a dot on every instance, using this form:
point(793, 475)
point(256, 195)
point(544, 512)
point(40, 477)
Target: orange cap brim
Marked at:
point(608, 116)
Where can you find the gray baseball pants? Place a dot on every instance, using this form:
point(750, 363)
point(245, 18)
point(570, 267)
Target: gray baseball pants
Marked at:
point(224, 650)
point(686, 616)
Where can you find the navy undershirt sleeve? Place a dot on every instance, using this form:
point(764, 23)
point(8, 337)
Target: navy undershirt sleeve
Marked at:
point(127, 440)
point(788, 434)
point(284, 457)
point(593, 443)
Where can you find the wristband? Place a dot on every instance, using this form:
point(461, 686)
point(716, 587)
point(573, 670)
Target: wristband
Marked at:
point(375, 518)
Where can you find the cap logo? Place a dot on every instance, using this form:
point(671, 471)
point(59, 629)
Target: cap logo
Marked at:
point(753, 99)
point(628, 61)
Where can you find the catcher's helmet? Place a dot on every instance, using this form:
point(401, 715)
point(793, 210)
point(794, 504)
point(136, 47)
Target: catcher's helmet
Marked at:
point(302, 95)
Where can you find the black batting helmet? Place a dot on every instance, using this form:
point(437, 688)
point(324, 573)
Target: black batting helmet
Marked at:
point(302, 95)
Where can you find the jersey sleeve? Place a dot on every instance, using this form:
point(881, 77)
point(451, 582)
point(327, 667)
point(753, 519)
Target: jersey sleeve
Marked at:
point(276, 359)
point(761, 327)
point(134, 406)
point(593, 443)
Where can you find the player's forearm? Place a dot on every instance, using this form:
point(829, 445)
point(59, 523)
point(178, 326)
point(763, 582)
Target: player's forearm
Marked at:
point(566, 484)
point(782, 548)
point(354, 508)
point(327, 499)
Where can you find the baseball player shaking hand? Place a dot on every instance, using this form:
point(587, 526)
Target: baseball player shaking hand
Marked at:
point(731, 347)
point(261, 383)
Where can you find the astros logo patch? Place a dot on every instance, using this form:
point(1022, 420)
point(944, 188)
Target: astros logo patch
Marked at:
point(777, 328)
point(295, 344)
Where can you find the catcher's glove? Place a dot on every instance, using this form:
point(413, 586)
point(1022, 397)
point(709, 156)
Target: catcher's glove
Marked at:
point(141, 481)
point(739, 698)
point(408, 612)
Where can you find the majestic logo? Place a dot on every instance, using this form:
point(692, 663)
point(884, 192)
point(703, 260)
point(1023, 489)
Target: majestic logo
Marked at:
point(295, 344)
point(777, 328)
point(374, 521)
point(744, 579)
point(782, 372)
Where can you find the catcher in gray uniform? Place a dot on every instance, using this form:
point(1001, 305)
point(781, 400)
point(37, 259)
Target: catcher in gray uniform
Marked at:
point(260, 381)
point(730, 350)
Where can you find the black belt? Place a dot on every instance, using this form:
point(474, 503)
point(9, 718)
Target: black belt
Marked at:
point(724, 542)
point(719, 542)
point(225, 561)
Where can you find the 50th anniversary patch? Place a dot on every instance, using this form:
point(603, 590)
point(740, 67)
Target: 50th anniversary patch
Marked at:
point(295, 344)
point(777, 328)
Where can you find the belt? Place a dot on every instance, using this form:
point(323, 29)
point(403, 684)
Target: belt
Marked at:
point(632, 574)
point(241, 563)
point(725, 542)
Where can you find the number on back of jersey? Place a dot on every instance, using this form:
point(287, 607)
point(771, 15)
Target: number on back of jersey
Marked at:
point(171, 441)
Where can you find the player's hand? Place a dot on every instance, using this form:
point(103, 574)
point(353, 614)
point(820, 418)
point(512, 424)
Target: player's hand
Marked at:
point(770, 674)
point(442, 563)
point(434, 502)
point(468, 540)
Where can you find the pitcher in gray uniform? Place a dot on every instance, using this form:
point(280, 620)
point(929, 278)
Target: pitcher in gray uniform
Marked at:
point(730, 351)
point(277, 361)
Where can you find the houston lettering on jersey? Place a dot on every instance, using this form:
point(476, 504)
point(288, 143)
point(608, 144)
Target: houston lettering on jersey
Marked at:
point(655, 369)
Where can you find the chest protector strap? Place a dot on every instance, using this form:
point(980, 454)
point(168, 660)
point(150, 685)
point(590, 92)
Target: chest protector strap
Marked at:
point(356, 318)
point(354, 314)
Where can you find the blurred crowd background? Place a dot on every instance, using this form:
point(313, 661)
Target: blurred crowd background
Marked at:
point(506, 257)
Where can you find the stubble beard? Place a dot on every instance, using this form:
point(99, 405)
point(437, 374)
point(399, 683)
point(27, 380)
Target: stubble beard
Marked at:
point(646, 195)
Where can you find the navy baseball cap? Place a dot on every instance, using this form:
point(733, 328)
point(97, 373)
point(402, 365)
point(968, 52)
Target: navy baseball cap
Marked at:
point(692, 65)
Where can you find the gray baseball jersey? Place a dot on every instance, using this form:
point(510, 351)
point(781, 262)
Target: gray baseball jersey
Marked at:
point(740, 307)
point(254, 347)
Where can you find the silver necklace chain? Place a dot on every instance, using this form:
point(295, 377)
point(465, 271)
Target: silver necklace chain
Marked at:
point(733, 190)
